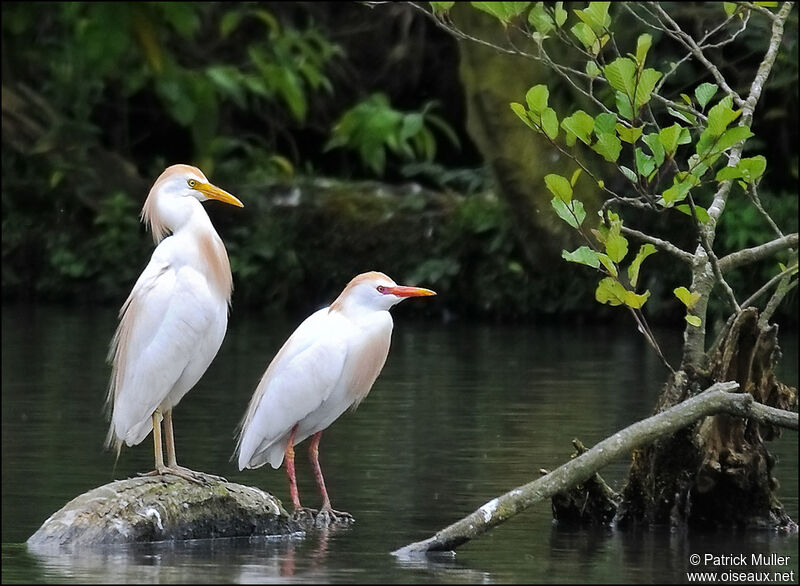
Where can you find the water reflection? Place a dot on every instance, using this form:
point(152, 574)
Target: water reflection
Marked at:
point(460, 414)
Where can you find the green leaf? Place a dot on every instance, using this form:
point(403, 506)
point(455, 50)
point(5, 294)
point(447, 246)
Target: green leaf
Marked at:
point(630, 135)
point(636, 301)
point(683, 115)
point(572, 213)
point(604, 123)
point(694, 320)
point(520, 111)
point(730, 8)
point(616, 245)
point(440, 7)
point(550, 123)
point(628, 173)
point(720, 116)
point(752, 167)
point(596, 16)
point(642, 47)
point(608, 146)
point(731, 137)
point(559, 187)
point(575, 174)
point(645, 87)
point(540, 19)
point(645, 250)
point(579, 125)
point(560, 14)
point(653, 140)
point(608, 264)
point(229, 21)
point(592, 70)
point(701, 212)
point(704, 92)
point(679, 190)
point(687, 298)
point(536, 97)
point(623, 104)
point(610, 291)
point(621, 74)
point(583, 255)
point(503, 11)
point(644, 163)
point(728, 173)
point(669, 138)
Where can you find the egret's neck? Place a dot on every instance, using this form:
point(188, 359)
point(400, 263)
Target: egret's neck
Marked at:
point(196, 242)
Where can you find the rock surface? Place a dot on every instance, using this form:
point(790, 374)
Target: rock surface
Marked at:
point(164, 508)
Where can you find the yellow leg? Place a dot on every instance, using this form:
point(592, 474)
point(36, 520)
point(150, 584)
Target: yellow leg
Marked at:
point(157, 440)
point(172, 461)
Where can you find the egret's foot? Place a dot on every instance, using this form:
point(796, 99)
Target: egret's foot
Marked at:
point(179, 471)
point(204, 476)
point(327, 517)
point(305, 516)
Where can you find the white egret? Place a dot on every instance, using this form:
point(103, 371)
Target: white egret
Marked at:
point(328, 364)
point(173, 322)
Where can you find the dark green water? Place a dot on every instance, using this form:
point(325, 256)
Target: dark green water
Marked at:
point(460, 414)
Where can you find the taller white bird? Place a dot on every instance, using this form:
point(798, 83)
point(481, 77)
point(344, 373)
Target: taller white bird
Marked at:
point(173, 322)
point(328, 364)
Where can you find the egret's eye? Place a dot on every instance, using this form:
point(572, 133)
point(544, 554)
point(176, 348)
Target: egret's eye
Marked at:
point(383, 290)
point(192, 183)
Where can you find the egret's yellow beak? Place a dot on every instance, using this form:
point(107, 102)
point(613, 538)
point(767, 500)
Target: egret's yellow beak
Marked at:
point(214, 192)
point(402, 291)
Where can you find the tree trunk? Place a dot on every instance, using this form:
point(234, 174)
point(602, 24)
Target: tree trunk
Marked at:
point(717, 473)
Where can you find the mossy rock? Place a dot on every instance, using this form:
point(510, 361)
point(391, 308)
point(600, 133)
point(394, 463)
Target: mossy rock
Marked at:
point(163, 508)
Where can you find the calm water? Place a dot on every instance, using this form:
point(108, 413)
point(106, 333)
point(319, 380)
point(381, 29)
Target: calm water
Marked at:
point(461, 414)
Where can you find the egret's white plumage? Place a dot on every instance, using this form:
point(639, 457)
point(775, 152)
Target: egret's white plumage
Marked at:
point(327, 365)
point(173, 322)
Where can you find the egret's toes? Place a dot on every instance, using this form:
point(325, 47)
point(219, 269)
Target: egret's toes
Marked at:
point(327, 517)
point(305, 516)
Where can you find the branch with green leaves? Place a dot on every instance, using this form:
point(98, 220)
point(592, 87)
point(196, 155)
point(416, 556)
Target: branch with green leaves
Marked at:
point(667, 153)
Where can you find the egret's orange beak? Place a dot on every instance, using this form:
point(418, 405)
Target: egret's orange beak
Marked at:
point(402, 291)
point(214, 192)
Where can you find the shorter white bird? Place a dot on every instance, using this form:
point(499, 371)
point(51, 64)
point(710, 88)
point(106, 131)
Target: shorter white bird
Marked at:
point(328, 364)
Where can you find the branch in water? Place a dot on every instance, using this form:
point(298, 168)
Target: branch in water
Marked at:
point(716, 399)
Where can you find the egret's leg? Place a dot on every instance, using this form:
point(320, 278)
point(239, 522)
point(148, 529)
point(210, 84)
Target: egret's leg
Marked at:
point(159, 453)
point(290, 471)
point(172, 461)
point(313, 454)
point(161, 469)
point(327, 515)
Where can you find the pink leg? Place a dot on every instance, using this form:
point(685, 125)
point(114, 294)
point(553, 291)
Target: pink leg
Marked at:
point(313, 452)
point(290, 470)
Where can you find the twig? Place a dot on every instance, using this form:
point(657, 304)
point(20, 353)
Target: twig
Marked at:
point(716, 399)
point(768, 285)
point(662, 244)
point(687, 41)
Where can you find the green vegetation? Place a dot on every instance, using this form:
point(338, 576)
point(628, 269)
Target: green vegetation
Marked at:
point(99, 97)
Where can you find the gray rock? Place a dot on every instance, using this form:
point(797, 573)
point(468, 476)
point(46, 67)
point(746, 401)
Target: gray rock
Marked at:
point(163, 508)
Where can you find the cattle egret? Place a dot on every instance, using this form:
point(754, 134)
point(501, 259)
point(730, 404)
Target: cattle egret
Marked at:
point(173, 322)
point(328, 364)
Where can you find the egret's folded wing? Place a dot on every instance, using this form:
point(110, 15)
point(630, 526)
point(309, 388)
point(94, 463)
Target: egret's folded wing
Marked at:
point(161, 324)
point(298, 380)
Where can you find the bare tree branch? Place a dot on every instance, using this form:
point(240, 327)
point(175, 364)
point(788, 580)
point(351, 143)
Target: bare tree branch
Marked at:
point(756, 253)
point(716, 399)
